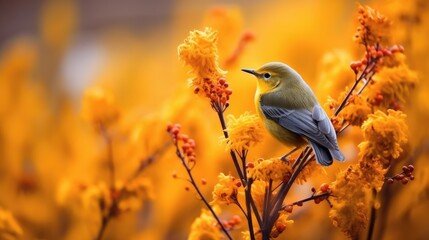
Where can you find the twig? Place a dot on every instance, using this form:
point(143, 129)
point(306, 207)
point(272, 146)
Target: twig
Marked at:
point(372, 216)
point(242, 172)
point(192, 181)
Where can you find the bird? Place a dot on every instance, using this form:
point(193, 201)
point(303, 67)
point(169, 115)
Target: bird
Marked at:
point(291, 113)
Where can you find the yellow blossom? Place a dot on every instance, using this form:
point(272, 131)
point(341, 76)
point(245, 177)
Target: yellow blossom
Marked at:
point(374, 27)
point(199, 51)
point(357, 111)
point(258, 193)
point(271, 169)
point(350, 204)
point(394, 84)
point(384, 136)
point(387, 133)
point(9, 227)
point(226, 190)
point(205, 226)
point(244, 132)
point(310, 170)
point(99, 107)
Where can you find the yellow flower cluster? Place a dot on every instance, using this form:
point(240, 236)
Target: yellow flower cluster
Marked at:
point(9, 227)
point(226, 190)
point(205, 226)
point(374, 27)
point(393, 84)
point(200, 52)
point(244, 132)
point(384, 135)
point(350, 205)
point(272, 169)
point(99, 107)
point(356, 112)
point(312, 169)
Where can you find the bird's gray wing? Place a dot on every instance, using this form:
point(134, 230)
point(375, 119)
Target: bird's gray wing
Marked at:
point(315, 125)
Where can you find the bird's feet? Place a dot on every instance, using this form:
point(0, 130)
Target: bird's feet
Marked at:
point(284, 157)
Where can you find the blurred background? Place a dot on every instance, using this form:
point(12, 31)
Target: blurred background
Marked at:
point(53, 161)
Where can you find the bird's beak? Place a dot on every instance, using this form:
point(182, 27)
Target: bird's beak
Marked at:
point(251, 71)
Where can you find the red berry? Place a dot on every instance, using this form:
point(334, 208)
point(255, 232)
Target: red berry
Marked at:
point(410, 168)
point(203, 181)
point(324, 187)
point(289, 208)
point(299, 204)
point(404, 180)
point(390, 181)
point(250, 165)
point(280, 227)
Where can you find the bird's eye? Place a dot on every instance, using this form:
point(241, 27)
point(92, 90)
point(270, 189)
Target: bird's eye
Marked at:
point(267, 76)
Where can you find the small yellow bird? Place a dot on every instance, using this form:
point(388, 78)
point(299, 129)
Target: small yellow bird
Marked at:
point(291, 112)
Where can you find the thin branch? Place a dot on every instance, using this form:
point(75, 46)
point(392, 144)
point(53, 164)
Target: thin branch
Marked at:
point(192, 181)
point(372, 216)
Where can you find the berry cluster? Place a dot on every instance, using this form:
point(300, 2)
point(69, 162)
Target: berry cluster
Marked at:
point(324, 193)
point(373, 55)
point(187, 143)
point(318, 196)
point(218, 92)
point(279, 227)
point(404, 177)
point(232, 223)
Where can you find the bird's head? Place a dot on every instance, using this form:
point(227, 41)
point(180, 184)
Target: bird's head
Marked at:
point(273, 74)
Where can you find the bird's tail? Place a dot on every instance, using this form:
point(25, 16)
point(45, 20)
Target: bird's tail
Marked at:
point(324, 156)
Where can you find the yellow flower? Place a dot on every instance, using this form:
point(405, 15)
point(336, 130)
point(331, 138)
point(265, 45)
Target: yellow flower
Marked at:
point(244, 132)
point(311, 169)
point(205, 227)
point(99, 107)
point(374, 27)
point(393, 84)
point(199, 51)
point(226, 190)
point(386, 133)
point(271, 169)
point(9, 227)
point(258, 193)
point(356, 111)
point(350, 204)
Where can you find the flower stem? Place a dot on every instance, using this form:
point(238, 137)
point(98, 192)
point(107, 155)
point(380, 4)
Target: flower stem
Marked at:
point(372, 216)
point(192, 181)
point(242, 173)
point(232, 153)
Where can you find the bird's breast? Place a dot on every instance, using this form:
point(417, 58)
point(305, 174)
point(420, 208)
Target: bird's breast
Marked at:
point(280, 133)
